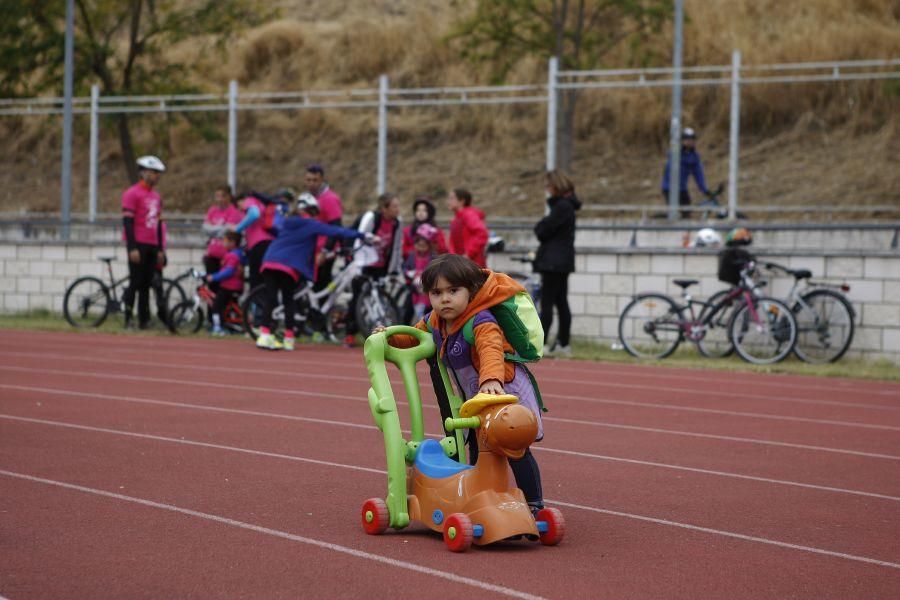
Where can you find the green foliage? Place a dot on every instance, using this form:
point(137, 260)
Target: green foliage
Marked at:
point(501, 33)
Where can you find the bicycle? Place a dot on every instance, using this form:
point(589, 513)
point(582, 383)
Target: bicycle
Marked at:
point(327, 310)
point(89, 300)
point(825, 317)
point(189, 316)
point(761, 329)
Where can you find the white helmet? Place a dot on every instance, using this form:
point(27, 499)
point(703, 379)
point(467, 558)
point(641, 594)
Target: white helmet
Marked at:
point(307, 201)
point(151, 163)
point(707, 238)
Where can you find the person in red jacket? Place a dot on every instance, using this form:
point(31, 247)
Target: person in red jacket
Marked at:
point(468, 232)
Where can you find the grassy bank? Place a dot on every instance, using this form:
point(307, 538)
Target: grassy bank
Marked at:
point(684, 358)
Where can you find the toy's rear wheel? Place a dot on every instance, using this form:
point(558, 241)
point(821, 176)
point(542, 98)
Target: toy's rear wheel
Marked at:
point(458, 532)
point(556, 526)
point(375, 516)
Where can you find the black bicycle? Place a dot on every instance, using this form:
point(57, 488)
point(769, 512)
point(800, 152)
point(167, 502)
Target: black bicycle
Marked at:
point(89, 300)
point(762, 330)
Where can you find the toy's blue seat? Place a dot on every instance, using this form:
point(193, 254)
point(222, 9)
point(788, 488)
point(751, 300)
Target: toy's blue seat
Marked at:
point(432, 462)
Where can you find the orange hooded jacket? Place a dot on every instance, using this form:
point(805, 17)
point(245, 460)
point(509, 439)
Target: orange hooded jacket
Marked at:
point(490, 343)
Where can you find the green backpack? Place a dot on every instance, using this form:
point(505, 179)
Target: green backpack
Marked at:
point(518, 319)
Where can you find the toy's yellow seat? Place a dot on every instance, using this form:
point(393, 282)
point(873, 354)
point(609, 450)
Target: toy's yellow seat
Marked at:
point(479, 402)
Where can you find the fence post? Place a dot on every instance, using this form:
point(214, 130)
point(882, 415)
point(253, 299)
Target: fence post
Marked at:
point(733, 142)
point(232, 134)
point(382, 133)
point(552, 73)
point(95, 136)
point(675, 125)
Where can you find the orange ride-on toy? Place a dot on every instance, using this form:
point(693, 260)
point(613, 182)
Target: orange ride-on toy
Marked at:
point(467, 504)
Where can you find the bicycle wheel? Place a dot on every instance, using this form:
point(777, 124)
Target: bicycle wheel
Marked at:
point(186, 317)
point(86, 303)
point(824, 326)
point(764, 331)
point(173, 289)
point(252, 307)
point(374, 307)
point(336, 322)
point(716, 342)
point(650, 326)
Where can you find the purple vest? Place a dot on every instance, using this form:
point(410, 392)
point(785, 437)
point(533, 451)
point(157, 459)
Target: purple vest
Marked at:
point(458, 361)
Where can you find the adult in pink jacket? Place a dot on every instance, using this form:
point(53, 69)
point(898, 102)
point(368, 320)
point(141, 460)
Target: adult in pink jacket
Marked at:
point(468, 232)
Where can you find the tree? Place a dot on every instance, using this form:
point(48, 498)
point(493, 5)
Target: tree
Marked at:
point(579, 33)
point(122, 43)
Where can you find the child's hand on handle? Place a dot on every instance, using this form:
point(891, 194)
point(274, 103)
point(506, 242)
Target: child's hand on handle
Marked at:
point(379, 329)
point(492, 386)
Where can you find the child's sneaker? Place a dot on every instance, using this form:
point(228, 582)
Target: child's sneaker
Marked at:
point(267, 341)
point(563, 351)
point(288, 344)
point(349, 341)
point(217, 332)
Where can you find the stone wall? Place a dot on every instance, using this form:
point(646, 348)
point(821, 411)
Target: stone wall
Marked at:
point(34, 275)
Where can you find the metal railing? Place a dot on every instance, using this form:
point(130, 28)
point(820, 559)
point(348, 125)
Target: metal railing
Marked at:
point(383, 98)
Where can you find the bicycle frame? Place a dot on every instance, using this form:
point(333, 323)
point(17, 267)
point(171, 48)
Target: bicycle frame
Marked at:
point(694, 328)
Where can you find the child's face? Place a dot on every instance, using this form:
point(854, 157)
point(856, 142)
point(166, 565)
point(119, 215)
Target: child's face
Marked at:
point(453, 203)
point(228, 244)
point(421, 212)
point(449, 300)
point(422, 245)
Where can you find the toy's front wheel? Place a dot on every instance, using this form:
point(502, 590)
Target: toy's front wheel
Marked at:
point(555, 528)
point(375, 516)
point(458, 532)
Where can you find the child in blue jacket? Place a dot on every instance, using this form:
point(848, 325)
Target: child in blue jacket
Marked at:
point(289, 257)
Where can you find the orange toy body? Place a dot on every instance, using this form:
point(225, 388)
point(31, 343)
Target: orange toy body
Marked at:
point(495, 507)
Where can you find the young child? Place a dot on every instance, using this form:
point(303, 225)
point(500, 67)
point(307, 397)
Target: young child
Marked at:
point(290, 256)
point(460, 290)
point(230, 278)
point(414, 265)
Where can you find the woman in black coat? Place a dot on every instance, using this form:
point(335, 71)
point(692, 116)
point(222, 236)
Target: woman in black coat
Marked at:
point(556, 256)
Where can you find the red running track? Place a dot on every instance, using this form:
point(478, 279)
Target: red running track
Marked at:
point(168, 467)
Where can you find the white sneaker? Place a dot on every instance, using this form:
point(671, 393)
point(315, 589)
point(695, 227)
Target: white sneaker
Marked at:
point(564, 351)
point(288, 344)
point(548, 351)
point(268, 342)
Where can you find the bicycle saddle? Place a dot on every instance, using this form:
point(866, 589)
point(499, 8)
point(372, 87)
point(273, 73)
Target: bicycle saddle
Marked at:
point(800, 273)
point(685, 283)
point(106, 259)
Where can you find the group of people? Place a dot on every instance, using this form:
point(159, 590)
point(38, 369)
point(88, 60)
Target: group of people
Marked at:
point(282, 252)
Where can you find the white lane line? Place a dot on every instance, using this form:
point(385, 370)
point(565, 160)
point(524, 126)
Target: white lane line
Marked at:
point(693, 391)
point(346, 397)
point(282, 534)
point(162, 438)
point(541, 448)
point(589, 455)
point(731, 534)
point(648, 463)
point(732, 413)
point(94, 395)
point(559, 502)
point(727, 438)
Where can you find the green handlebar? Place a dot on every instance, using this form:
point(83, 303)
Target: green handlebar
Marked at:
point(451, 424)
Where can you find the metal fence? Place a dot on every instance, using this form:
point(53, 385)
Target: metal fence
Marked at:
point(383, 98)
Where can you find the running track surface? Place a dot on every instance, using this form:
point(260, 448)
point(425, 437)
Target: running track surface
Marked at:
point(165, 467)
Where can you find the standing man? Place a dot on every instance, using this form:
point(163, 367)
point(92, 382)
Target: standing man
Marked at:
point(690, 165)
point(468, 232)
point(144, 237)
point(330, 213)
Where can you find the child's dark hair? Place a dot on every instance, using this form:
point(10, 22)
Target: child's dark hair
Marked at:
point(233, 236)
point(459, 271)
point(463, 195)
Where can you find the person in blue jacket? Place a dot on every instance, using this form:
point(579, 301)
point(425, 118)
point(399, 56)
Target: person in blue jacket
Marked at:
point(690, 165)
point(289, 257)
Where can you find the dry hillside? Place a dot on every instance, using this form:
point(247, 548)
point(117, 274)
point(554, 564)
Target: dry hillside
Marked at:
point(828, 143)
